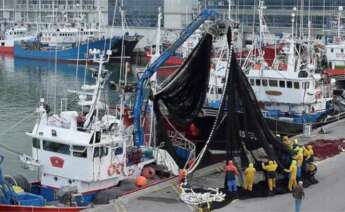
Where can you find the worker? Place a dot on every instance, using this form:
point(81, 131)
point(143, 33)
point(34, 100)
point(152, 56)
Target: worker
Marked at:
point(231, 172)
point(182, 176)
point(308, 153)
point(299, 159)
point(292, 175)
point(287, 142)
point(295, 145)
point(249, 177)
point(270, 169)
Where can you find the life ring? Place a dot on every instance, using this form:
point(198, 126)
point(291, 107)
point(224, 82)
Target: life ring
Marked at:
point(111, 169)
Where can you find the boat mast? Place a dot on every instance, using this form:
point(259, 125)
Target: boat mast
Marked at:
point(153, 79)
point(340, 11)
point(261, 28)
point(291, 58)
point(229, 9)
point(309, 36)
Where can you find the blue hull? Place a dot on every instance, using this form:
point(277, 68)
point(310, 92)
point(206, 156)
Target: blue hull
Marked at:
point(276, 114)
point(67, 55)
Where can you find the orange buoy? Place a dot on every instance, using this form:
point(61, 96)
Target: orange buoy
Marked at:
point(148, 172)
point(194, 130)
point(141, 181)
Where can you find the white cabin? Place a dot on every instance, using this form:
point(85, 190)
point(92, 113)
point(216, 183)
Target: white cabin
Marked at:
point(68, 35)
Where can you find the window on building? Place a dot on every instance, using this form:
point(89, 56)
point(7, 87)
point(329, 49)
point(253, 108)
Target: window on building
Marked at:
point(56, 147)
point(79, 151)
point(296, 85)
point(264, 83)
point(332, 50)
point(288, 84)
point(282, 84)
point(36, 143)
point(273, 83)
point(252, 82)
point(258, 82)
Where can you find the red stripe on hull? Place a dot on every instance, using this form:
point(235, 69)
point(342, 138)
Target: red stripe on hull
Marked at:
point(335, 72)
point(6, 50)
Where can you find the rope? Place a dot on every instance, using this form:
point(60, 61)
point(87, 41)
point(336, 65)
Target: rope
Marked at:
point(8, 149)
point(214, 127)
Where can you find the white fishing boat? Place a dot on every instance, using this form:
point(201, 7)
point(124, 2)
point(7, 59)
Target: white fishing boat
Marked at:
point(85, 152)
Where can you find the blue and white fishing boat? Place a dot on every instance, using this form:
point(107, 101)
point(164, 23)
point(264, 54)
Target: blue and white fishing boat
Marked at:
point(65, 45)
point(290, 92)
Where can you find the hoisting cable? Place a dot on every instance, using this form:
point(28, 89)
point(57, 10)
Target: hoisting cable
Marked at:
point(187, 194)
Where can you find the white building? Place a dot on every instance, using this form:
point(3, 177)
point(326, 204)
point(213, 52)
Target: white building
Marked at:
point(179, 13)
point(43, 12)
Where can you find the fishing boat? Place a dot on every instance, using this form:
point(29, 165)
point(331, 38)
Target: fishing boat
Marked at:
point(335, 52)
point(95, 141)
point(11, 36)
point(64, 45)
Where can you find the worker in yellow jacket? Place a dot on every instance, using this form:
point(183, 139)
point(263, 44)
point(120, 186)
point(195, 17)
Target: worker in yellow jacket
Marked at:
point(249, 177)
point(308, 153)
point(299, 159)
point(292, 175)
point(270, 169)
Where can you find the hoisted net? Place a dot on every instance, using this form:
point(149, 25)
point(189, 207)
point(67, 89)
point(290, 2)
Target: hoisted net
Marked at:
point(183, 94)
point(248, 137)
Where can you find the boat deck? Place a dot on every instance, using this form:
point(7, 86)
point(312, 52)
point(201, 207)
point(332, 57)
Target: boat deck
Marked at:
point(165, 197)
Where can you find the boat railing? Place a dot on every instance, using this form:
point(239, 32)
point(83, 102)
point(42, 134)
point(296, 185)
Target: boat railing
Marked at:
point(183, 143)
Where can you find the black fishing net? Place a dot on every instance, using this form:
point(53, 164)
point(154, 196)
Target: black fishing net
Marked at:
point(184, 92)
point(182, 95)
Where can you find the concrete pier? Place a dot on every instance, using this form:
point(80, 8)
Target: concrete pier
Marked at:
point(324, 196)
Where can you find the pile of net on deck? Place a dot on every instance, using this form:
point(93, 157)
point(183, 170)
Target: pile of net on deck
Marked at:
point(249, 138)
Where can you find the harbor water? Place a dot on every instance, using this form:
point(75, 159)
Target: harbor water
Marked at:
point(23, 83)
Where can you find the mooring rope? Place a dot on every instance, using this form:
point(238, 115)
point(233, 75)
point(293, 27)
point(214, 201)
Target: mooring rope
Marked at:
point(5, 147)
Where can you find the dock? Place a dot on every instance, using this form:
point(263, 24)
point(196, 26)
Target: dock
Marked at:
point(165, 196)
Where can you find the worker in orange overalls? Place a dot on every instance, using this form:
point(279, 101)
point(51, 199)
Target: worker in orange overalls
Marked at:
point(230, 174)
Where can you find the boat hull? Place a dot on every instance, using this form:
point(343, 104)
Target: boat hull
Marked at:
point(6, 50)
point(130, 43)
point(70, 55)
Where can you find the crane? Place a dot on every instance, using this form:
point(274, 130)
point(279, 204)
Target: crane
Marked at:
point(152, 68)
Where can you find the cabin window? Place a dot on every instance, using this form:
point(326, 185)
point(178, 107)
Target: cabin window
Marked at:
point(282, 84)
point(305, 85)
point(104, 151)
point(273, 83)
point(264, 83)
point(79, 151)
point(36, 143)
point(118, 150)
point(100, 152)
point(288, 84)
point(2, 43)
point(258, 82)
point(296, 85)
point(219, 90)
point(332, 50)
point(252, 82)
point(56, 147)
